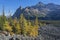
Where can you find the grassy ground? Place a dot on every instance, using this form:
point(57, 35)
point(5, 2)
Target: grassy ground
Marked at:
point(54, 22)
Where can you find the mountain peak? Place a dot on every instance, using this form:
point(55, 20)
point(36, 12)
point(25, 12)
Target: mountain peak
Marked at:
point(20, 7)
point(51, 4)
point(40, 3)
point(48, 11)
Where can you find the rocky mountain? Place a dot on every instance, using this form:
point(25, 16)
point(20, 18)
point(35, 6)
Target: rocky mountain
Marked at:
point(48, 11)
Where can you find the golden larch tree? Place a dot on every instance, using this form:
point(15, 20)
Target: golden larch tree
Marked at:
point(7, 27)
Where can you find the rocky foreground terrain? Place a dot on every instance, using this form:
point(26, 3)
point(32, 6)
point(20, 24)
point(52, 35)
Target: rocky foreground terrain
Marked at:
point(48, 32)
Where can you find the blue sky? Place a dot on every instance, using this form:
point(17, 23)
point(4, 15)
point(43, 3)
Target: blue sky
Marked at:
point(12, 5)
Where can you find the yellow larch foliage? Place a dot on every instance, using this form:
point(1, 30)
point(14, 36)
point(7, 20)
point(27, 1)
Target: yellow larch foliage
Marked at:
point(34, 29)
point(7, 27)
point(16, 27)
point(21, 20)
point(25, 27)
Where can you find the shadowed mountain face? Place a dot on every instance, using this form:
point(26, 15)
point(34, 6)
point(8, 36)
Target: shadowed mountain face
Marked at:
point(48, 11)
